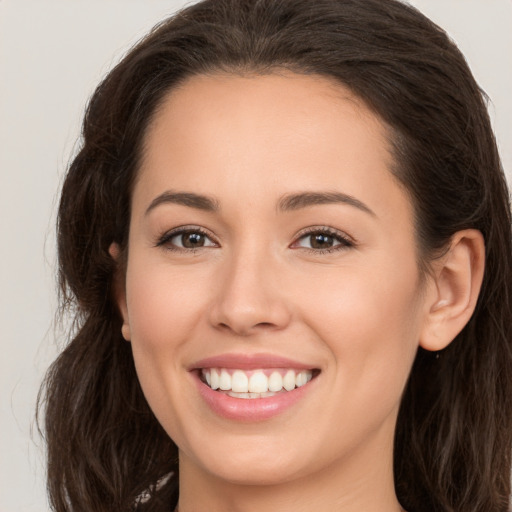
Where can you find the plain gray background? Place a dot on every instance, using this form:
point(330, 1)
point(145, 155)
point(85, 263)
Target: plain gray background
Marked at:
point(52, 54)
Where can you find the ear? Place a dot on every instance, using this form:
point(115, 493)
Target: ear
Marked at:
point(120, 290)
point(455, 288)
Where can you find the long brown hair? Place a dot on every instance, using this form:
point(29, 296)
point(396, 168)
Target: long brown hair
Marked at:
point(454, 433)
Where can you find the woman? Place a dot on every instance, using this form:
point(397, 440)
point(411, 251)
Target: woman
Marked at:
point(275, 237)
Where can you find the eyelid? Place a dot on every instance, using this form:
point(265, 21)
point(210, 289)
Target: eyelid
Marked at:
point(346, 241)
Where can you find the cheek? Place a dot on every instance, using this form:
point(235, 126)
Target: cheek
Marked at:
point(163, 304)
point(352, 301)
point(370, 320)
point(163, 312)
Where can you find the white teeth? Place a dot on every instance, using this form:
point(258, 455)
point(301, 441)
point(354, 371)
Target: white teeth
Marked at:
point(214, 376)
point(302, 378)
point(258, 383)
point(275, 382)
point(239, 382)
point(225, 380)
point(249, 395)
point(254, 384)
point(289, 380)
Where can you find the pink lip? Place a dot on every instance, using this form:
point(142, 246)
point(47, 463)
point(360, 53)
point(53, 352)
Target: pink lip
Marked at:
point(249, 362)
point(249, 410)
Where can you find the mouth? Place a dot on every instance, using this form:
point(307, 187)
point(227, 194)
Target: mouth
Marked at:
point(257, 383)
point(253, 387)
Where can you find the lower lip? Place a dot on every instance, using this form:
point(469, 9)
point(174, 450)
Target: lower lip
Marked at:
point(250, 409)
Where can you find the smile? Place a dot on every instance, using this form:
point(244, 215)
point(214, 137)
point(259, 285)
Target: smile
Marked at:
point(251, 384)
point(253, 387)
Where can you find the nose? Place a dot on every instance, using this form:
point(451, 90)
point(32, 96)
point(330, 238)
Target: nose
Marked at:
point(250, 298)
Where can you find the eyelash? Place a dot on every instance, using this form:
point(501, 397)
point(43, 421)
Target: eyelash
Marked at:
point(164, 240)
point(344, 241)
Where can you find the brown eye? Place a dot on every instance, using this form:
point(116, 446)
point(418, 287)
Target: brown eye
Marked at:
point(189, 240)
point(323, 240)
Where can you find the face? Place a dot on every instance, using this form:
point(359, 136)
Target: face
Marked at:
point(271, 256)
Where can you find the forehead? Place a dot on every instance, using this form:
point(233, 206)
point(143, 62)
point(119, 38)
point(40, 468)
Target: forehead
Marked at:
point(281, 133)
point(284, 108)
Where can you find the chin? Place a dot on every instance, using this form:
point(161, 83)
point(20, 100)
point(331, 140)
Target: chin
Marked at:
point(255, 472)
point(250, 463)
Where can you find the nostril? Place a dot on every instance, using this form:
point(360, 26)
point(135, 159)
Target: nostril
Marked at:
point(246, 330)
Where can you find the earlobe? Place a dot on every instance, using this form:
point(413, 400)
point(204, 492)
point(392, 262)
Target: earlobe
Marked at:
point(120, 290)
point(125, 331)
point(455, 288)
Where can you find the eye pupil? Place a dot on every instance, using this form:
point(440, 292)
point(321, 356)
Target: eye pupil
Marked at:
point(321, 241)
point(191, 240)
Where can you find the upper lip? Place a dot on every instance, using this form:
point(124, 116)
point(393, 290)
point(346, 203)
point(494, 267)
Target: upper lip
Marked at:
point(250, 362)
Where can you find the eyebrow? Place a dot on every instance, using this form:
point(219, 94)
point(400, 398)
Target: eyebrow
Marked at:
point(189, 199)
point(289, 202)
point(292, 202)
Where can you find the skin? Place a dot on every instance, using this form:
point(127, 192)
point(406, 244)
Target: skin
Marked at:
point(357, 313)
